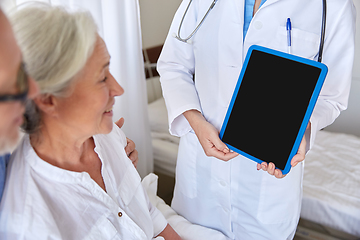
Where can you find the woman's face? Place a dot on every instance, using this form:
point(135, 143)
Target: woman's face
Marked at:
point(88, 109)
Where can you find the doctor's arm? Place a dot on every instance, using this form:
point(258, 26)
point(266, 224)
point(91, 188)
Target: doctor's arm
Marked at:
point(208, 136)
point(338, 56)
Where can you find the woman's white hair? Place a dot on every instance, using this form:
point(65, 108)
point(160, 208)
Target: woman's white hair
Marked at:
point(56, 45)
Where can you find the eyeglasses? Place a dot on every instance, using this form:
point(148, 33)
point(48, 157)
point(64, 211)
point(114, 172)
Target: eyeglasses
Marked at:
point(22, 84)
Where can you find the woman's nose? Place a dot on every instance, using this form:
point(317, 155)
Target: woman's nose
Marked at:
point(33, 88)
point(116, 89)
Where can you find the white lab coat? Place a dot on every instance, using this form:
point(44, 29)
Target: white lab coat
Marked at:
point(233, 196)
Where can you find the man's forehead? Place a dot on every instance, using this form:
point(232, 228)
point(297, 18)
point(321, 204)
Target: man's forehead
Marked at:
point(10, 55)
point(7, 38)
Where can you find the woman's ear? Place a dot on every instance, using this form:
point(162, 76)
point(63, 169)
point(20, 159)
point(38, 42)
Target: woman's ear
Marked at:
point(46, 103)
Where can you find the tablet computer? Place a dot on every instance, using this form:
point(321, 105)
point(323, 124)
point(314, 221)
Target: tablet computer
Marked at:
point(271, 106)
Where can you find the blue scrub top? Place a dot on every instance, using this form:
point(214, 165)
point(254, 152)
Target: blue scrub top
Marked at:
point(3, 163)
point(248, 13)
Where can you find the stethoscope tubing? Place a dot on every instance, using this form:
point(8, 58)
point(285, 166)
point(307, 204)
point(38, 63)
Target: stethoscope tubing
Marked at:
point(185, 40)
point(322, 37)
point(197, 27)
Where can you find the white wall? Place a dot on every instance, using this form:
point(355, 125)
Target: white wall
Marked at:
point(156, 17)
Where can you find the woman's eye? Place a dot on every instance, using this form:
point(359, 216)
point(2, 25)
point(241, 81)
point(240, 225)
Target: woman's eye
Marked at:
point(104, 80)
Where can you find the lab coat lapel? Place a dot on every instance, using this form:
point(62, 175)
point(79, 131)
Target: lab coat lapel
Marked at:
point(230, 33)
point(230, 45)
point(240, 7)
point(269, 2)
point(230, 49)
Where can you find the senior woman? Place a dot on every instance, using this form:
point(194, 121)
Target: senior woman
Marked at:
point(70, 177)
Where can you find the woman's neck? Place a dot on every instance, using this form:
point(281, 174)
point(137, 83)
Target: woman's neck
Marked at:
point(61, 148)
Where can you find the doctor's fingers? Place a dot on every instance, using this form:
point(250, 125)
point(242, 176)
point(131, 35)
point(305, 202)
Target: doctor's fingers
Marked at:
point(211, 143)
point(300, 156)
point(258, 166)
point(213, 152)
point(264, 166)
point(218, 144)
point(120, 122)
point(130, 147)
point(275, 172)
point(270, 168)
point(131, 152)
point(278, 174)
point(214, 147)
point(134, 157)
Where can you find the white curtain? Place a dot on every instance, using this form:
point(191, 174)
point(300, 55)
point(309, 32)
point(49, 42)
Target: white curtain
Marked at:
point(119, 25)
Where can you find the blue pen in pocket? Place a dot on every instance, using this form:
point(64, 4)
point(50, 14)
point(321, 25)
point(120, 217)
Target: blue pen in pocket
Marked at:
point(288, 30)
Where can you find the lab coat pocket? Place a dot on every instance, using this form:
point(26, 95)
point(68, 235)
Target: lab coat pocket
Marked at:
point(280, 199)
point(304, 44)
point(186, 165)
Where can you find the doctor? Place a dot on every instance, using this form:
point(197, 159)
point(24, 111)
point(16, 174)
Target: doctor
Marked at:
point(198, 79)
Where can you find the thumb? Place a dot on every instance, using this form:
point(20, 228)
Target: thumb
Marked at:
point(120, 122)
point(219, 145)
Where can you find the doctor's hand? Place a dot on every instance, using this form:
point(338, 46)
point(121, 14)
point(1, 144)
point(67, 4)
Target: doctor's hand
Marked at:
point(208, 136)
point(130, 150)
point(299, 157)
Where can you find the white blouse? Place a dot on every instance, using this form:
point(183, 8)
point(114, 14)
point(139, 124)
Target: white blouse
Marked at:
point(42, 201)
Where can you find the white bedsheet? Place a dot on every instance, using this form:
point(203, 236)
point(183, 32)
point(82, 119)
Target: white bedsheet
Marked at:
point(331, 188)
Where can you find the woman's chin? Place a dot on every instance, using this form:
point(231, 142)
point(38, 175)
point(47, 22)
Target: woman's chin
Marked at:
point(107, 127)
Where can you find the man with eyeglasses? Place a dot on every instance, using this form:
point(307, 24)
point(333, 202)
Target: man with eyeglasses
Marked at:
point(15, 88)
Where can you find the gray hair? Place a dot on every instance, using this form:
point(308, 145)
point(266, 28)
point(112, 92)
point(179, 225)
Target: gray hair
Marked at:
point(56, 45)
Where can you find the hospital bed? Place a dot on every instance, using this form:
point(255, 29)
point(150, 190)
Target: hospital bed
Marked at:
point(331, 186)
point(186, 229)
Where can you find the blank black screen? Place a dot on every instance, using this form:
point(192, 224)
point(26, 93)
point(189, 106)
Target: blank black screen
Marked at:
point(270, 106)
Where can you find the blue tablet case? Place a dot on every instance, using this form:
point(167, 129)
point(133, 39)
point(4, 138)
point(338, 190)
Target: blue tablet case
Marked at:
point(271, 106)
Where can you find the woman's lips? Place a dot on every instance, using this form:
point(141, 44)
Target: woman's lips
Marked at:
point(109, 112)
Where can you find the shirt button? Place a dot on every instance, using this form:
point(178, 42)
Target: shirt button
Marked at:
point(120, 214)
point(258, 25)
point(222, 183)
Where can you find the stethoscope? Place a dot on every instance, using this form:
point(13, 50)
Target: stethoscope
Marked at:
point(186, 40)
